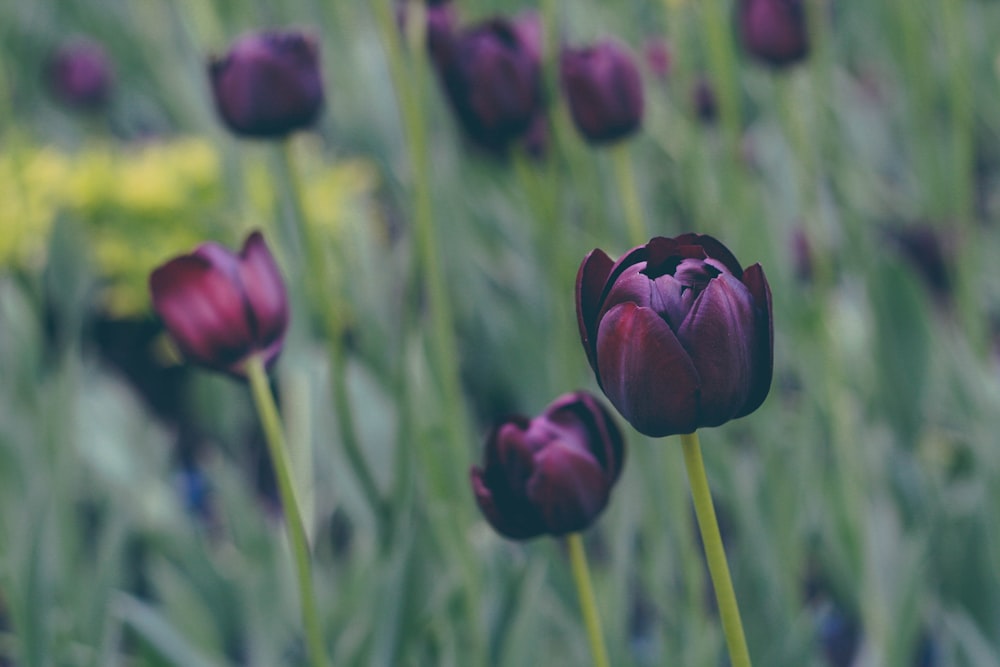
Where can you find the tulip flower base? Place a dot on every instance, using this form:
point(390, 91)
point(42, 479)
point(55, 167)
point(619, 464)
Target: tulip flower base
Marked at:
point(715, 553)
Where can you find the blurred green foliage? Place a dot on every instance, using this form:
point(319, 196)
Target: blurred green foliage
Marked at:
point(859, 504)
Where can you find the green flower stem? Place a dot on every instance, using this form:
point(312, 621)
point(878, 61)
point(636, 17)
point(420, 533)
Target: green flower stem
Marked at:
point(316, 278)
point(722, 61)
point(629, 193)
point(278, 450)
point(715, 554)
point(588, 601)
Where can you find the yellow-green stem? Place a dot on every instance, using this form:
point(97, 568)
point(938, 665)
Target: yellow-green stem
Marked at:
point(715, 554)
point(275, 437)
point(588, 602)
point(629, 193)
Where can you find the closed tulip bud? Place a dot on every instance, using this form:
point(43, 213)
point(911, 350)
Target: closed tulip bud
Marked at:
point(491, 75)
point(677, 333)
point(774, 31)
point(80, 76)
point(552, 474)
point(221, 307)
point(604, 91)
point(269, 84)
point(706, 104)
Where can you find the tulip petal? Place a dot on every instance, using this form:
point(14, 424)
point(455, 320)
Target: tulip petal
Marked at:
point(718, 334)
point(568, 488)
point(265, 293)
point(646, 373)
point(714, 249)
point(762, 367)
point(204, 310)
point(580, 418)
point(590, 281)
point(517, 521)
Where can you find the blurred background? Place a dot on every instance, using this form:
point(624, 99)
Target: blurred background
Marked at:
point(139, 523)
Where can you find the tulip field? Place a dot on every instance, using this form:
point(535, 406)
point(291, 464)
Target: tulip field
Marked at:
point(499, 333)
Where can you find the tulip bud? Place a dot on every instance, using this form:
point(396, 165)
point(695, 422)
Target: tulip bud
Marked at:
point(774, 31)
point(706, 104)
point(221, 307)
point(79, 75)
point(552, 474)
point(659, 59)
point(269, 84)
point(929, 253)
point(604, 91)
point(491, 75)
point(677, 333)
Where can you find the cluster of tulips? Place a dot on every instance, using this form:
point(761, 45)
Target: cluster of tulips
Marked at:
point(678, 333)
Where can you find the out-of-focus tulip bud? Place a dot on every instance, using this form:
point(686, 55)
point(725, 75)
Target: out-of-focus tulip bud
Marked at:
point(659, 60)
point(706, 104)
point(929, 253)
point(552, 474)
point(269, 84)
point(80, 75)
point(221, 307)
point(803, 256)
point(774, 31)
point(535, 140)
point(491, 74)
point(604, 91)
point(677, 333)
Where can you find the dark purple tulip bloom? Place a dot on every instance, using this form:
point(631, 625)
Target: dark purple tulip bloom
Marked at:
point(930, 254)
point(221, 307)
point(677, 333)
point(492, 78)
point(269, 84)
point(552, 474)
point(604, 91)
point(774, 31)
point(80, 75)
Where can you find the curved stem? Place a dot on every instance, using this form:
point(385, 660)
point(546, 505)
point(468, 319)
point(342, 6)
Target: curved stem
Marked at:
point(715, 554)
point(588, 602)
point(629, 193)
point(294, 527)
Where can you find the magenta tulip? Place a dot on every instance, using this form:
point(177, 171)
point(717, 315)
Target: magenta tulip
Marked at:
point(269, 84)
point(492, 77)
point(677, 333)
point(604, 91)
point(551, 475)
point(80, 75)
point(774, 31)
point(221, 307)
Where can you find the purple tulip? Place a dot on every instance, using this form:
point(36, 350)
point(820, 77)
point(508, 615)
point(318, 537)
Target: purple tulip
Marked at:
point(677, 333)
point(221, 307)
point(491, 75)
point(80, 76)
point(269, 84)
point(774, 31)
point(706, 104)
point(604, 91)
point(552, 474)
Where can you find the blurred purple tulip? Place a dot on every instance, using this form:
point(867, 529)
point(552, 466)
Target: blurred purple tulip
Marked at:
point(221, 307)
point(552, 474)
point(774, 31)
point(492, 78)
point(677, 333)
point(80, 75)
point(269, 84)
point(706, 104)
point(604, 91)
